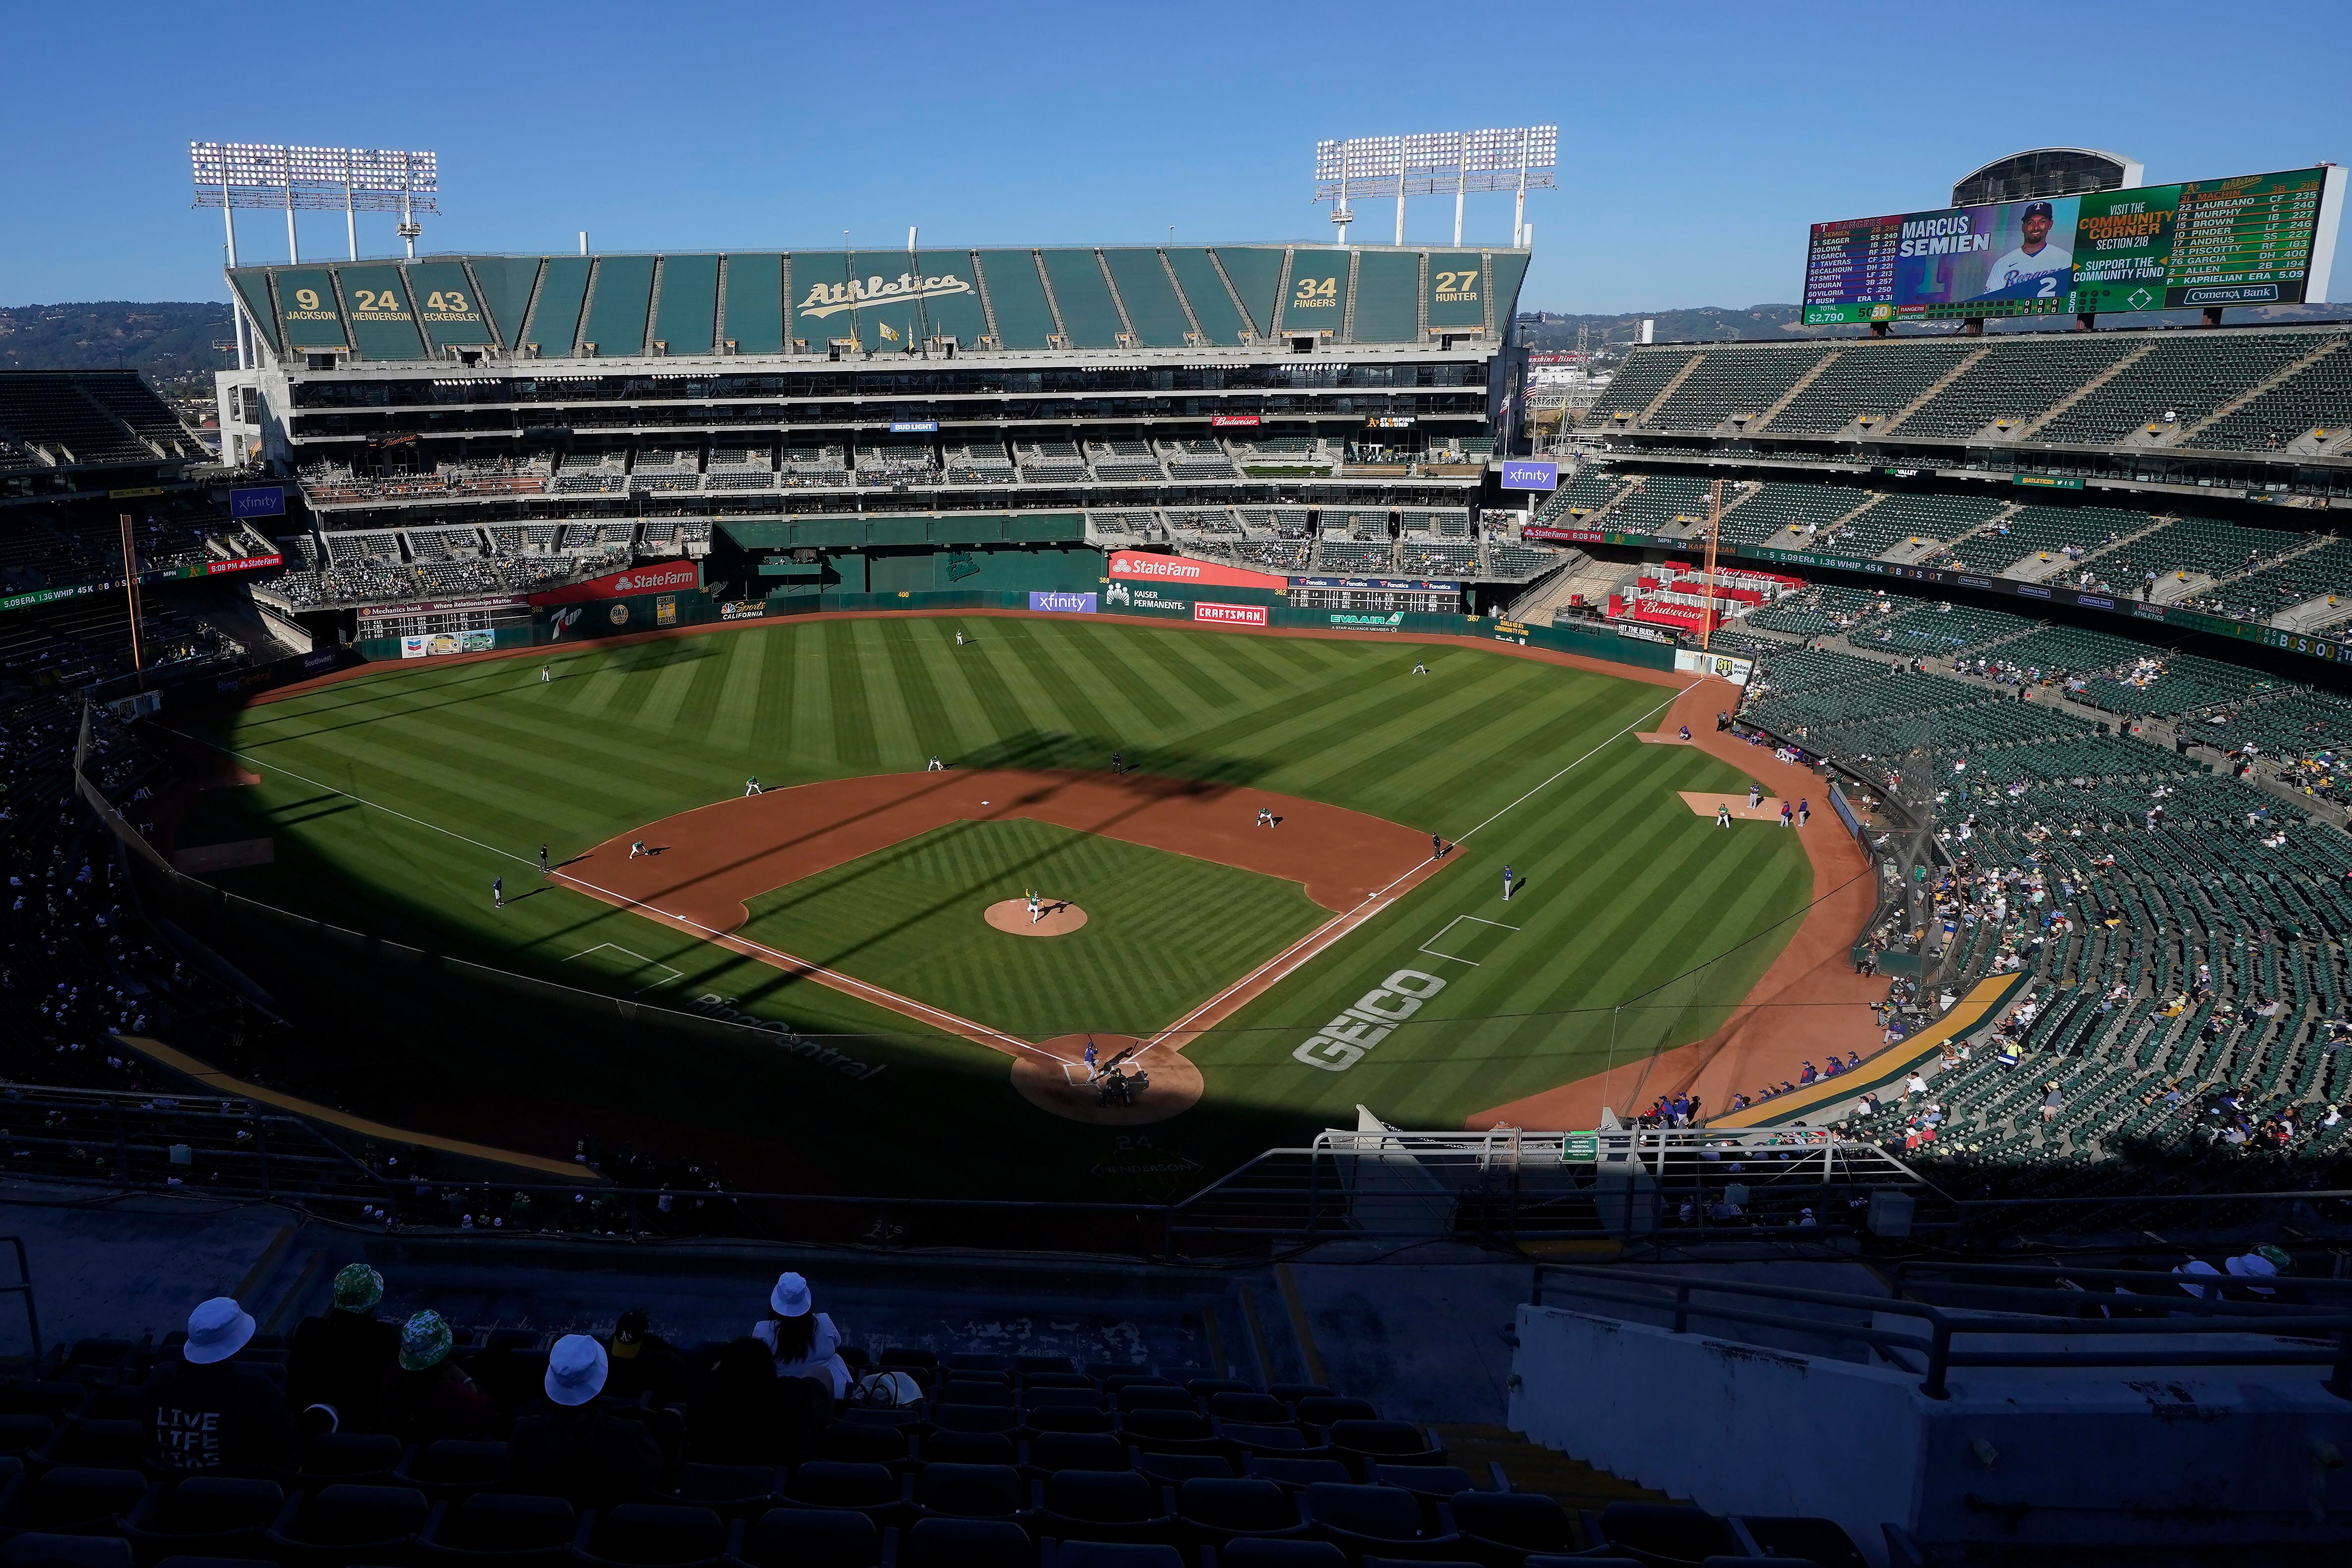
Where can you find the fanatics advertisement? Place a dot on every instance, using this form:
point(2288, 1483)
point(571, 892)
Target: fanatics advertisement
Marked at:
point(2251, 240)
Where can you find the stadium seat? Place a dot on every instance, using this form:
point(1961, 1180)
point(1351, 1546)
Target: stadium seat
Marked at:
point(649, 1535)
point(1290, 1470)
point(1292, 1393)
point(965, 1391)
point(1035, 1397)
point(1262, 1408)
point(1213, 1511)
point(1374, 1520)
point(220, 1516)
point(1365, 1443)
point(1089, 1417)
point(498, 1530)
point(734, 1491)
point(1104, 1505)
point(1030, 1366)
point(1426, 1481)
point(364, 1457)
point(72, 1500)
point(1819, 1541)
point(976, 1418)
point(871, 1490)
point(1292, 1442)
point(1110, 1554)
point(860, 1443)
point(347, 1522)
point(1322, 1410)
point(1254, 1553)
point(1051, 1451)
point(1170, 1431)
point(1501, 1523)
point(966, 1543)
point(809, 1538)
point(970, 1448)
point(454, 1466)
point(23, 1431)
point(1662, 1531)
point(1154, 1397)
point(969, 1491)
point(965, 1361)
point(40, 1548)
point(1173, 1468)
point(99, 1443)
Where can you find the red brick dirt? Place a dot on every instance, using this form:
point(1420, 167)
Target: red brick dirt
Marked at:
point(1809, 1003)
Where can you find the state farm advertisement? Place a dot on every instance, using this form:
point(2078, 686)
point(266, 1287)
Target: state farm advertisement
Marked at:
point(666, 578)
point(1137, 567)
point(1229, 615)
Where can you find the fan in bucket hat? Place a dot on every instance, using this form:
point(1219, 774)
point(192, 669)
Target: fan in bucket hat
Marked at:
point(357, 1287)
point(789, 1298)
point(217, 1330)
point(575, 1370)
point(424, 1342)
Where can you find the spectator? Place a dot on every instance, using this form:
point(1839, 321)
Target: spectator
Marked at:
point(575, 1450)
point(746, 1415)
point(206, 1411)
point(337, 1364)
point(425, 1394)
point(804, 1343)
point(641, 1362)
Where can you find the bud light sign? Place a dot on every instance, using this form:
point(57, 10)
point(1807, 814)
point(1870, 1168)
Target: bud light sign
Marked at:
point(258, 503)
point(1063, 603)
point(1530, 476)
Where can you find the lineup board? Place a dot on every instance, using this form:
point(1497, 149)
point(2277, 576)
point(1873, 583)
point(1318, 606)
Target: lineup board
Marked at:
point(2251, 240)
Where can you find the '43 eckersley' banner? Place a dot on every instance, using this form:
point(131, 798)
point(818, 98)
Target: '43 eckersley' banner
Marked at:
point(1135, 566)
point(667, 578)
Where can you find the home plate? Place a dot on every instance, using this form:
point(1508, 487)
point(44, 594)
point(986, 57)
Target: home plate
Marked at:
point(1704, 805)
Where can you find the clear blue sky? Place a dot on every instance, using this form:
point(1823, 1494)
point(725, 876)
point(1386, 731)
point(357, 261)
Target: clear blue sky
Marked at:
point(1696, 141)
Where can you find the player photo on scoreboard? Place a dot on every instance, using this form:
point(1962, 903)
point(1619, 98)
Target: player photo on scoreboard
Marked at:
point(2006, 250)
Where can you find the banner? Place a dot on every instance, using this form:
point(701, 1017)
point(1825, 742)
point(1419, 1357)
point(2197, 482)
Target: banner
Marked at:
point(1691, 662)
point(442, 606)
point(269, 502)
point(1062, 603)
point(621, 584)
point(1530, 476)
point(1135, 566)
point(1229, 615)
point(1231, 420)
point(1379, 584)
point(440, 645)
point(1564, 536)
point(743, 610)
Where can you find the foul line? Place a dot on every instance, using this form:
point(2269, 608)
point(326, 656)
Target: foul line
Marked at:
point(1282, 965)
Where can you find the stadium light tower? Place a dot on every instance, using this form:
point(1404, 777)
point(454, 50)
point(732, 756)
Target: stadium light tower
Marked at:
point(1429, 163)
point(232, 174)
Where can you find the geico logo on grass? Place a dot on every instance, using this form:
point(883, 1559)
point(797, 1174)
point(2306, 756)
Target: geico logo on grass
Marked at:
point(1341, 1043)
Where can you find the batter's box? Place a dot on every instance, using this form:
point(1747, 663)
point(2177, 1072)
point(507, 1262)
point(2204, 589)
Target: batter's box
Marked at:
point(640, 965)
point(1468, 946)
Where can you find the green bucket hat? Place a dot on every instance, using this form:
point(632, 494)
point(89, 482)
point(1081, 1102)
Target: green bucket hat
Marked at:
point(357, 1287)
point(424, 1342)
point(2278, 1256)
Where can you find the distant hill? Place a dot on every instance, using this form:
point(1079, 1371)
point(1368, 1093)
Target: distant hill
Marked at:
point(1551, 331)
point(171, 340)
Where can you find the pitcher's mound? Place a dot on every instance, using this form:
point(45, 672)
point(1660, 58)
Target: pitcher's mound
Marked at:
point(1059, 917)
point(1056, 1081)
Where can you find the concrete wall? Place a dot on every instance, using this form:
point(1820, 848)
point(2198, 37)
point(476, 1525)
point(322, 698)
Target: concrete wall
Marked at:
point(2014, 1458)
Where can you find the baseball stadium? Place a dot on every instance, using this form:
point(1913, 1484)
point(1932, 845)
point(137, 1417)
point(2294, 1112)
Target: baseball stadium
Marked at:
point(1058, 782)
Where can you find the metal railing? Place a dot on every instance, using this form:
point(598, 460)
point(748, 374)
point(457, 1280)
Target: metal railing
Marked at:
point(2296, 1336)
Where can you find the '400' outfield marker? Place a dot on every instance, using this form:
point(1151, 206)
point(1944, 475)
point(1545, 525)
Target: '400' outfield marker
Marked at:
point(1343, 1042)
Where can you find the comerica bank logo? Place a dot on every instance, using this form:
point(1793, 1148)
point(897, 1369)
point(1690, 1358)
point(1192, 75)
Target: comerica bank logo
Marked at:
point(831, 298)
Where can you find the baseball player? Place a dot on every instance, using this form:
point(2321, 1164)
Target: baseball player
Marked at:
point(498, 893)
point(1419, 668)
point(1755, 796)
point(544, 676)
point(637, 849)
point(1436, 847)
point(1118, 763)
point(1092, 1055)
point(1265, 818)
point(1722, 815)
point(543, 860)
point(751, 786)
point(1036, 906)
point(1508, 880)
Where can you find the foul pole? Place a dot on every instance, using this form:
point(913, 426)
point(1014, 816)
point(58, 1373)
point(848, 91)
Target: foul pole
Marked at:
point(1714, 535)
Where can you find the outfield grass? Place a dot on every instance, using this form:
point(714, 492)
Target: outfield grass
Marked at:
point(1162, 930)
point(469, 768)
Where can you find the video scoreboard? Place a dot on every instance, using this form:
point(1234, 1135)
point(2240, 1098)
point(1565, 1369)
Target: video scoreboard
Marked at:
point(2255, 239)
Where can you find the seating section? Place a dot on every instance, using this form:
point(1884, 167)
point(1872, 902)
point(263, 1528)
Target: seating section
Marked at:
point(2185, 377)
point(1124, 461)
point(2318, 397)
point(1741, 383)
point(1637, 383)
point(2017, 380)
point(2322, 572)
point(2194, 547)
point(89, 418)
point(1897, 520)
point(2047, 533)
point(1788, 517)
point(1663, 501)
point(1874, 380)
point(1941, 629)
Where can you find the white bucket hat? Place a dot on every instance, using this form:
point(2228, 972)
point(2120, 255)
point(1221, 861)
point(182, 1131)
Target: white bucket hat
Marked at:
point(575, 1370)
point(789, 1298)
point(217, 1330)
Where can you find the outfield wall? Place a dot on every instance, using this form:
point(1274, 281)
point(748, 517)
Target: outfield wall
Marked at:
point(1219, 608)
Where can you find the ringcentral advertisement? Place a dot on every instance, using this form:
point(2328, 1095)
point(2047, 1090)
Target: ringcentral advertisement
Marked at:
point(2251, 240)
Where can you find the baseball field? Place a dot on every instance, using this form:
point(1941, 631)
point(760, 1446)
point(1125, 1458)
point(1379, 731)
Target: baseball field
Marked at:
point(1250, 904)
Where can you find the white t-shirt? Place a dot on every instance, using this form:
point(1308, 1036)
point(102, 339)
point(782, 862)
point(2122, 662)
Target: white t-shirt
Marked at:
point(2017, 266)
point(821, 1361)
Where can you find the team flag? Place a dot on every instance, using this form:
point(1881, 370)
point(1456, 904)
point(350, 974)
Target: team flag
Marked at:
point(885, 329)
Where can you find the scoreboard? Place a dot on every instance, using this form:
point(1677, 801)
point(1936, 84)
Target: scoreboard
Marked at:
point(2254, 239)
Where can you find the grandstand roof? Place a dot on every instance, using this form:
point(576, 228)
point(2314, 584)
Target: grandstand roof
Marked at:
point(1117, 298)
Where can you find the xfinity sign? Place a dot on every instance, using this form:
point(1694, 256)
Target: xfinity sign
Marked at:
point(1530, 476)
point(1062, 603)
point(268, 502)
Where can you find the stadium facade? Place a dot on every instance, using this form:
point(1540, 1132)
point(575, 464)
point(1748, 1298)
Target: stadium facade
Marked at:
point(813, 423)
